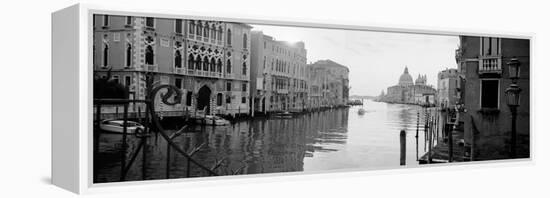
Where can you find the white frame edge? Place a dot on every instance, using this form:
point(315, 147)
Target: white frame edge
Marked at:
point(72, 155)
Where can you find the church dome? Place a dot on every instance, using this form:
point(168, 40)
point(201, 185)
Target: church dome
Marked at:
point(405, 79)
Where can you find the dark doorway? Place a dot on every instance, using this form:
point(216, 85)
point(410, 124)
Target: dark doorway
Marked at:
point(203, 99)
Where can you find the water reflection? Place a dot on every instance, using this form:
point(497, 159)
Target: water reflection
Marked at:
point(328, 140)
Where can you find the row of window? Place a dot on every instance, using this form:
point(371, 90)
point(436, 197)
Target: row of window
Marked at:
point(213, 33)
point(197, 29)
point(149, 21)
point(206, 31)
point(281, 50)
point(198, 64)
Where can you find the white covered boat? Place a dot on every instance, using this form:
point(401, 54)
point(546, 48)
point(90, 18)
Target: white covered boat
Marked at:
point(212, 120)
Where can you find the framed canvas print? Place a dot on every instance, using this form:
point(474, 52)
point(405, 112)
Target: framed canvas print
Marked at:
point(156, 97)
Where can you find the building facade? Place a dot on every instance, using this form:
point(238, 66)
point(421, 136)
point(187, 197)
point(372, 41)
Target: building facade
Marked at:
point(487, 119)
point(278, 75)
point(448, 86)
point(407, 92)
point(208, 60)
point(328, 84)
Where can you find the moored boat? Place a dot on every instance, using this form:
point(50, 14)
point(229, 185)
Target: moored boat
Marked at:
point(285, 114)
point(212, 120)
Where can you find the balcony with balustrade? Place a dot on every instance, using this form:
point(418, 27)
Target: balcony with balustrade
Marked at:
point(151, 68)
point(198, 73)
point(229, 75)
point(179, 70)
point(490, 65)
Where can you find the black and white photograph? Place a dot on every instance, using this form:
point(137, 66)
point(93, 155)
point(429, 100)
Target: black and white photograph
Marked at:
point(184, 98)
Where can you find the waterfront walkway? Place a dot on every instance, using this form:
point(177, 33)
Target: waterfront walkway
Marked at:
point(440, 152)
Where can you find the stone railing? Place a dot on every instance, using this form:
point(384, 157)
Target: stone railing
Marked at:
point(490, 64)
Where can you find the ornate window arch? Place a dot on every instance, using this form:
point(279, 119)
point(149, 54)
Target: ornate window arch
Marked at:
point(199, 28)
point(205, 63)
point(105, 55)
point(177, 59)
point(213, 32)
point(149, 55)
point(219, 65)
point(212, 64)
point(191, 27)
point(228, 66)
point(128, 55)
point(206, 31)
point(198, 63)
point(190, 62)
point(220, 30)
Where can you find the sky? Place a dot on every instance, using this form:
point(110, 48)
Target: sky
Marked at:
point(376, 59)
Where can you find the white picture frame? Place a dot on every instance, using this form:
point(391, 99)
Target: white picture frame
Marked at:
point(72, 96)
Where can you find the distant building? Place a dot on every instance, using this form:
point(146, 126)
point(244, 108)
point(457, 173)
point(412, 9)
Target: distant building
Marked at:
point(208, 60)
point(407, 92)
point(328, 84)
point(448, 86)
point(278, 75)
point(487, 120)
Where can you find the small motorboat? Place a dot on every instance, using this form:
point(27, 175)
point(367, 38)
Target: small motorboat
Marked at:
point(361, 111)
point(212, 120)
point(117, 126)
point(285, 114)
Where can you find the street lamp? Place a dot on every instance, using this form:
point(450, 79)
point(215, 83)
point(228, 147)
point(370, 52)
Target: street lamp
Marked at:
point(513, 69)
point(512, 99)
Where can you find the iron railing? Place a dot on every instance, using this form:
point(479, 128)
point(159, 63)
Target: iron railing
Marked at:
point(151, 122)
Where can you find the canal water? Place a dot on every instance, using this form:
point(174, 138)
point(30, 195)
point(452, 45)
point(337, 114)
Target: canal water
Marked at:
point(335, 139)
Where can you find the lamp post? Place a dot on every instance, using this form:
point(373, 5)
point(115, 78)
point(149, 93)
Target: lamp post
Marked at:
point(512, 99)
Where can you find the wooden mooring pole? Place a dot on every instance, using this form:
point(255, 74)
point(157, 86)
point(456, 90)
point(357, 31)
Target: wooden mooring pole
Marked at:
point(450, 140)
point(124, 134)
point(168, 160)
point(429, 140)
point(403, 146)
point(97, 133)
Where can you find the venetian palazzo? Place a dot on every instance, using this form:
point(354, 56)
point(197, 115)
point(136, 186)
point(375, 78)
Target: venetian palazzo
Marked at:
point(208, 60)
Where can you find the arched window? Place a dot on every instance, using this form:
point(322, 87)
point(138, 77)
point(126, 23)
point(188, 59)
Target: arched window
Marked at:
point(192, 27)
point(205, 64)
point(206, 31)
point(177, 59)
point(199, 28)
point(213, 32)
point(220, 33)
point(149, 55)
point(219, 66)
point(212, 65)
point(228, 66)
point(128, 55)
point(105, 55)
point(198, 63)
point(190, 62)
point(244, 68)
point(245, 41)
point(229, 36)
